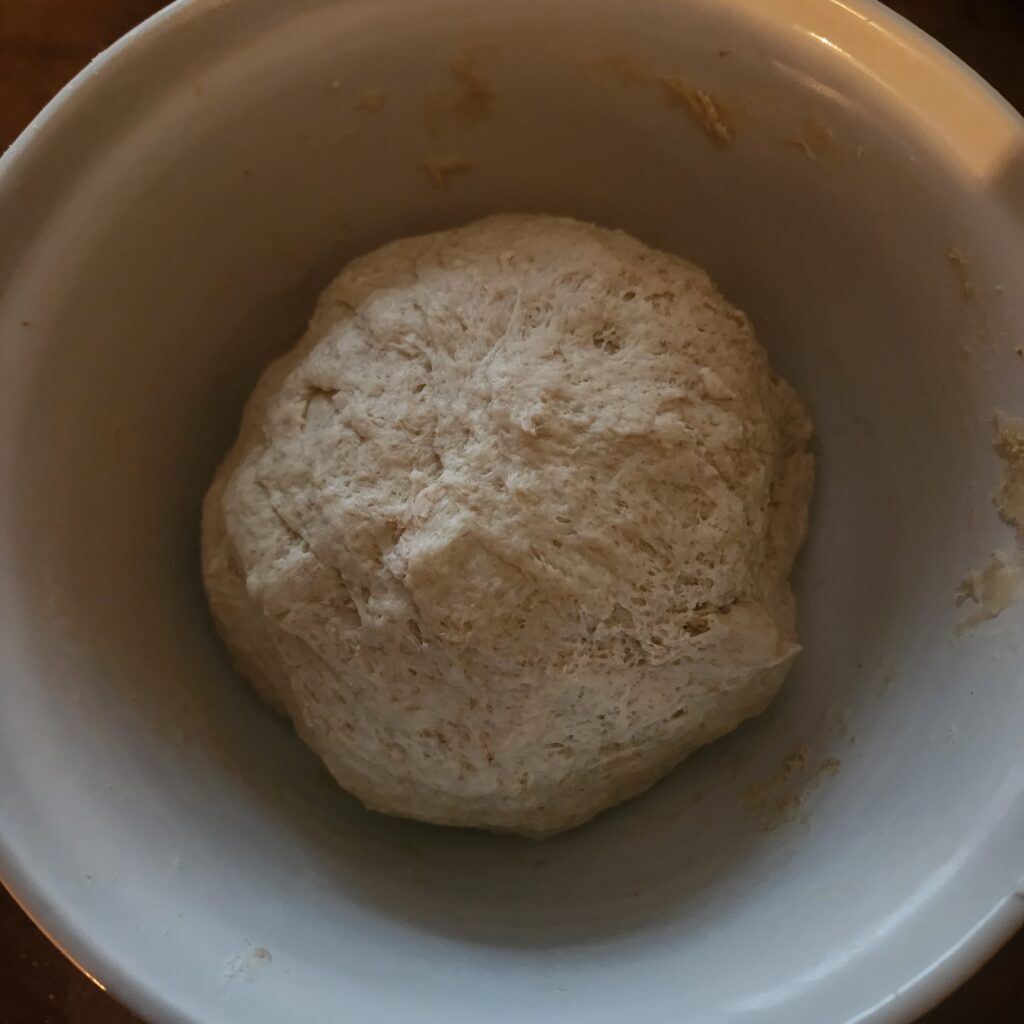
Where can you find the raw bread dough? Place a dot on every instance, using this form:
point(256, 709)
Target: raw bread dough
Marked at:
point(508, 533)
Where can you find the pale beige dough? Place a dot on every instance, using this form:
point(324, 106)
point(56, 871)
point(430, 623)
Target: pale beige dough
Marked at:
point(508, 533)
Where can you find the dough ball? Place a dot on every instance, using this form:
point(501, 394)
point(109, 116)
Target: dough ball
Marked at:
point(508, 533)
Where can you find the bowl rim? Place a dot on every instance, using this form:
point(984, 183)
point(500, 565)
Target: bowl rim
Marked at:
point(895, 43)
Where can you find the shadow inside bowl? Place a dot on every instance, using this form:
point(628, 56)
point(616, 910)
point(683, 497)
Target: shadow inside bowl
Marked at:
point(125, 593)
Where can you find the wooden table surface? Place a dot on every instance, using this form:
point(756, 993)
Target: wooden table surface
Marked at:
point(42, 44)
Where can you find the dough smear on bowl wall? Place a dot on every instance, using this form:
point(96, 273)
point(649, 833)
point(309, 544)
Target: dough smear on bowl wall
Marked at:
point(509, 532)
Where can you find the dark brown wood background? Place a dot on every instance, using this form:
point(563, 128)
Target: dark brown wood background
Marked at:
point(42, 44)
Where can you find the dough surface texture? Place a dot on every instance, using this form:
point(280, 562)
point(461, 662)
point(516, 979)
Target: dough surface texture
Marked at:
point(508, 533)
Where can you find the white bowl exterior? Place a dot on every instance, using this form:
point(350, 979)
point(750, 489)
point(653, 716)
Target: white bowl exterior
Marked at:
point(166, 226)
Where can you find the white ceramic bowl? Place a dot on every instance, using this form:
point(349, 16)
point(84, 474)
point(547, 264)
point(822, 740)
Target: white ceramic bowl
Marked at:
point(166, 224)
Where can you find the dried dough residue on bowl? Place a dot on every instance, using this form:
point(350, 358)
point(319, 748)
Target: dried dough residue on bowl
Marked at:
point(441, 167)
point(1010, 446)
point(816, 141)
point(1000, 583)
point(993, 589)
point(782, 798)
point(371, 100)
point(704, 106)
point(707, 109)
point(245, 966)
point(962, 268)
point(468, 103)
point(472, 98)
point(979, 332)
